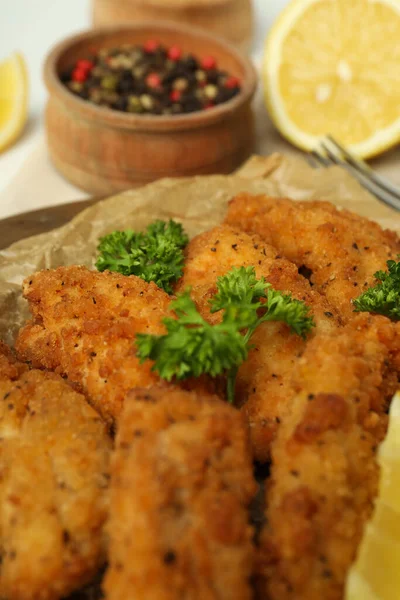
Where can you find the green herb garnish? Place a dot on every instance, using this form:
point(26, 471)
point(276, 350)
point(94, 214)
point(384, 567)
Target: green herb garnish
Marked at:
point(384, 297)
point(192, 346)
point(154, 255)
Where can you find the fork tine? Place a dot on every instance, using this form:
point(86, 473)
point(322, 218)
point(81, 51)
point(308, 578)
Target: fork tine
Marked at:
point(312, 161)
point(360, 164)
point(320, 158)
point(364, 179)
point(333, 157)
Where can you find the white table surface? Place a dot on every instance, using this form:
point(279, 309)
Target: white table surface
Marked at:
point(32, 27)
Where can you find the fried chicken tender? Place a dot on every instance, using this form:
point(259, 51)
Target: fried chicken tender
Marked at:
point(264, 381)
point(84, 325)
point(339, 250)
point(324, 474)
point(181, 485)
point(54, 471)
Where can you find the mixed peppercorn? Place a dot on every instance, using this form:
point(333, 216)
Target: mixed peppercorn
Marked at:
point(151, 79)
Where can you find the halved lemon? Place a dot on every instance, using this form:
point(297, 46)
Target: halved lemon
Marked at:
point(332, 67)
point(13, 98)
point(376, 572)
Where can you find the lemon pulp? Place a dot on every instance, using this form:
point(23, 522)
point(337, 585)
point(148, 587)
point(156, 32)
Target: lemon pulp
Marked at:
point(376, 572)
point(331, 66)
point(13, 99)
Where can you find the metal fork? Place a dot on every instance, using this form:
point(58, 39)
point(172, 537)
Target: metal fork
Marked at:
point(330, 152)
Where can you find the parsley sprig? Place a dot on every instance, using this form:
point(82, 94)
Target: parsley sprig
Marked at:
point(154, 255)
point(192, 346)
point(384, 297)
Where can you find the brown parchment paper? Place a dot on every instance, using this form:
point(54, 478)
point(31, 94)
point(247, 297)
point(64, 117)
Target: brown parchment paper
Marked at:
point(198, 202)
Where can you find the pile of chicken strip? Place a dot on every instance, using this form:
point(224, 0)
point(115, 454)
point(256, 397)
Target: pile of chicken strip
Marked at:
point(108, 471)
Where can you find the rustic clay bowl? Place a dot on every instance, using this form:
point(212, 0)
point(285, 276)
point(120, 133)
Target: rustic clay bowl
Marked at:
point(104, 151)
point(231, 19)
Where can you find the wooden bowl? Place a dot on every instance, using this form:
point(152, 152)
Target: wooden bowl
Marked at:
point(231, 19)
point(103, 151)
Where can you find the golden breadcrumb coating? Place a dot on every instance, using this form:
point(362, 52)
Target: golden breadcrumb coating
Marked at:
point(84, 326)
point(54, 471)
point(324, 473)
point(182, 481)
point(339, 250)
point(264, 380)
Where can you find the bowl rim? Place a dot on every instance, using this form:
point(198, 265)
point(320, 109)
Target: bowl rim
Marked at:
point(118, 119)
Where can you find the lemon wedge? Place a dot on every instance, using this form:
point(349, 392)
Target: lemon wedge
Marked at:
point(332, 67)
point(13, 98)
point(376, 572)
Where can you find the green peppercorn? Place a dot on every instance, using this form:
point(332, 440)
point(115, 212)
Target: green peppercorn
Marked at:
point(103, 53)
point(146, 101)
point(109, 97)
point(200, 75)
point(138, 72)
point(136, 56)
point(75, 86)
point(99, 72)
point(95, 95)
point(176, 109)
point(134, 104)
point(125, 62)
point(210, 91)
point(109, 82)
point(180, 84)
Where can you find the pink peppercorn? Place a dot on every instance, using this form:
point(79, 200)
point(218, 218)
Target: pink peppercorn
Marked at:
point(208, 62)
point(174, 53)
point(232, 82)
point(175, 96)
point(153, 80)
point(79, 75)
point(151, 46)
point(84, 65)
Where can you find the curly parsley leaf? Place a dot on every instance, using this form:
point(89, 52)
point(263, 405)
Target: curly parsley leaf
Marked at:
point(192, 346)
point(384, 297)
point(155, 255)
point(239, 290)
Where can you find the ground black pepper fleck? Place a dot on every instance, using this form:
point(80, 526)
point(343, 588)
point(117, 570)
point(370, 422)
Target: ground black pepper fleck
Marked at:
point(150, 79)
point(169, 557)
point(66, 536)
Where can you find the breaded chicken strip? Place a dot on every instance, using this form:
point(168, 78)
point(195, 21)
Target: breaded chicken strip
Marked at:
point(54, 471)
point(324, 474)
point(264, 380)
point(181, 485)
point(84, 326)
point(339, 250)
